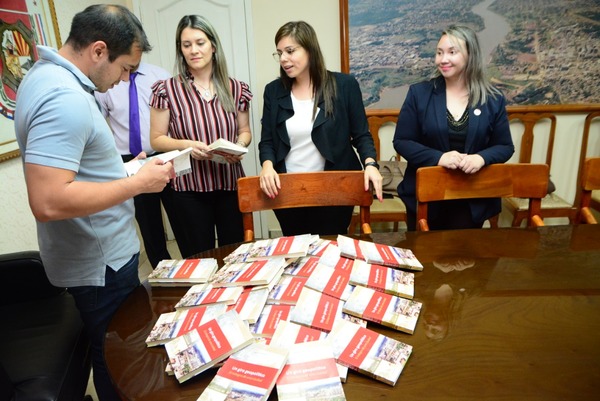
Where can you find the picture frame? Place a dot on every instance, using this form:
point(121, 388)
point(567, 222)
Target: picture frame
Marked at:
point(542, 57)
point(23, 25)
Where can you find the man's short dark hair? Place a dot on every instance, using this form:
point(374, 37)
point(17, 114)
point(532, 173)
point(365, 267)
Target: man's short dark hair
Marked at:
point(113, 24)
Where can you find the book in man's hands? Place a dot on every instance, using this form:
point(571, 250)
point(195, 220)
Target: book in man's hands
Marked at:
point(179, 158)
point(183, 272)
point(310, 374)
point(207, 345)
point(249, 374)
point(174, 324)
point(368, 352)
point(385, 279)
point(389, 310)
point(222, 145)
point(204, 294)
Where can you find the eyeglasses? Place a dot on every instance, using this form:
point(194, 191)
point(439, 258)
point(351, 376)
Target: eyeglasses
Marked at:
point(288, 52)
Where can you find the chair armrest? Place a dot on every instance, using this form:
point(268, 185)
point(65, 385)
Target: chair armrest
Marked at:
point(24, 278)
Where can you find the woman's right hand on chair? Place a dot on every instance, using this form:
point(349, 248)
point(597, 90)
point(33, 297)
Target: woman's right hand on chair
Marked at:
point(269, 180)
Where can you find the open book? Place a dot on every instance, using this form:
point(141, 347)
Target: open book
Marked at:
point(179, 158)
point(224, 146)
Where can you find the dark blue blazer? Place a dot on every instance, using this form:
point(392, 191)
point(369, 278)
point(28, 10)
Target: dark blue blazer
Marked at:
point(335, 137)
point(421, 137)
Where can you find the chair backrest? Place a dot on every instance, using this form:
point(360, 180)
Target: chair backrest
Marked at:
point(377, 118)
point(590, 180)
point(522, 180)
point(323, 188)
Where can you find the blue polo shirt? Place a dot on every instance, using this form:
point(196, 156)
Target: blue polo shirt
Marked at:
point(59, 124)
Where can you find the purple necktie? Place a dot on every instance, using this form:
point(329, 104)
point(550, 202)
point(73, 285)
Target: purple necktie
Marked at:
point(135, 140)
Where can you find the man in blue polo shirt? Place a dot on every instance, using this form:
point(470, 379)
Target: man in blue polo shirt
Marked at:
point(77, 187)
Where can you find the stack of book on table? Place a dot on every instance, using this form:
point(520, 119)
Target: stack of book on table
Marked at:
point(289, 313)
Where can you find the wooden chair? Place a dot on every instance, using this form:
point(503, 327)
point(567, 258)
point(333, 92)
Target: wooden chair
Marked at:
point(392, 209)
point(552, 204)
point(590, 181)
point(323, 188)
point(522, 180)
point(595, 198)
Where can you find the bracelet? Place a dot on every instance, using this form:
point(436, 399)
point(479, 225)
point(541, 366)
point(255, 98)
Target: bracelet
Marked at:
point(374, 164)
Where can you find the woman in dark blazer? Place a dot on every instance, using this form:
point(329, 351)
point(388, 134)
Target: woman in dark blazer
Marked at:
point(456, 120)
point(313, 120)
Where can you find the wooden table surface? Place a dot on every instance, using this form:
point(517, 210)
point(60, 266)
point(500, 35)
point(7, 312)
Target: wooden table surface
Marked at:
point(508, 314)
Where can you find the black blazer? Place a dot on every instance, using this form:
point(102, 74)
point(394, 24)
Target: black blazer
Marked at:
point(335, 137)
point(421, 137)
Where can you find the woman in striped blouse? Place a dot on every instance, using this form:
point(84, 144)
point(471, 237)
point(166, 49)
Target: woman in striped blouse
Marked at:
point(193, 109)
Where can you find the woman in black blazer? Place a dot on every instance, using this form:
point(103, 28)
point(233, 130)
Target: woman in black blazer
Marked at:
point(313, 120)
point(456, 120)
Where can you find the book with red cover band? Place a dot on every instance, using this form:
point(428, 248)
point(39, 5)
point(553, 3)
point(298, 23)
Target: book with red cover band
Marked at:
point(249, 374)
point(267, 322)
point(207, 345)
point(330, 281)
point(389, 310)
point(204, 294)
point(287, 290)
point(310, 374)
point(174, 324)
point(260, 272)
point(317, 310)
point(302, 266)
point(288, 247)
point(380, 254)
point(385, 279)
point(368, 352)
point(251, 303)
point(182, 272)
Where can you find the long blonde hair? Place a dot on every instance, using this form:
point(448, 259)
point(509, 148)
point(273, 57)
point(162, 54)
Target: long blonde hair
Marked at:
point(219, 75)
point(478, 84)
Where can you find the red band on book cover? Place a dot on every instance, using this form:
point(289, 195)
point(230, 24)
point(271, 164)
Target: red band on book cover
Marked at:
point(248, 373)
point(242, 299)
point(358, 348)
point(344, 264)
point(192, 320)
point(337, 283)
point(308, 371)
point(306, 334)
point(213, 295)
point(359, 254)
point(278, 312)
point(377, 306)
point(377, 277)
point(214, 339)
point(252, 270)
point(386, 254)
point(293, 290)
point(284, 244)
point(326, 313)
point(187, 268)
point(308, 267)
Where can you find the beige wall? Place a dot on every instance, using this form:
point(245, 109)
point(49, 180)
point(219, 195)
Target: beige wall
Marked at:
point(16, 222)
point(17, 225)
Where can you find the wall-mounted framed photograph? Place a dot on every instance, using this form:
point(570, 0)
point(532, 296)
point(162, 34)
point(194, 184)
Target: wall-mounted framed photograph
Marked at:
point(539, 52)
point(23, 25)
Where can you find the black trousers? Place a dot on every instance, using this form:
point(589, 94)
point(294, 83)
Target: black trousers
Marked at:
point(451, 215)
point(321, 220)
point(199, 214)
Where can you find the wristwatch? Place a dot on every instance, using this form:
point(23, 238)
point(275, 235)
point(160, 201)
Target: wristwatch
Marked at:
point(374, 164)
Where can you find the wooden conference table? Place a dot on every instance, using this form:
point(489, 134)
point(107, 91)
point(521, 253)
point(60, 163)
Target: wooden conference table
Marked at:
point(508, 314)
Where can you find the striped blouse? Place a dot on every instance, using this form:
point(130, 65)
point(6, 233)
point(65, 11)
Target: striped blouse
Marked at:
point(193, 117)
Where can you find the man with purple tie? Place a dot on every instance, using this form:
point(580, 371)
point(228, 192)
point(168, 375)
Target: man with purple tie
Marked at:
point(126, 108)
